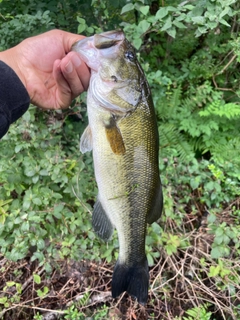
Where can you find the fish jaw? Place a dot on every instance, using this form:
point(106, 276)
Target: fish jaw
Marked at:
point(88, 48)
point(116, 76)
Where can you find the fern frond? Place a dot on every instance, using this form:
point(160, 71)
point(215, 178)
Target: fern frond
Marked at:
point(218, 108)
point(168, 105)
point(170, 138)
point(228, 151)
point(175, 99)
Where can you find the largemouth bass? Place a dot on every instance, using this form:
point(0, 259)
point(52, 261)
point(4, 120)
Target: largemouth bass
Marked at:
point(123, 136)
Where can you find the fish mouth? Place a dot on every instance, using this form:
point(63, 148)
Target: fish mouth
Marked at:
point(108, 39)
point(105, 45)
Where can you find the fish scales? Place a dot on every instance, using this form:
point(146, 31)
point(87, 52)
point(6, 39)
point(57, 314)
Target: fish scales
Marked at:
point(123, 137)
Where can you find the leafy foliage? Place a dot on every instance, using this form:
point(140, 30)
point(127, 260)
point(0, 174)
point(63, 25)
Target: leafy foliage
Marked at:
point(46, 184)
point(23, 25)
point(190, 52)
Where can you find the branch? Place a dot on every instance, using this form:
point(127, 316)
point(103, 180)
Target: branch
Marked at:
point(227, 65)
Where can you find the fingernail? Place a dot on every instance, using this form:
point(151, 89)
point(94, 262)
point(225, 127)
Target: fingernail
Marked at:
point(69, 67)
point(76, 61)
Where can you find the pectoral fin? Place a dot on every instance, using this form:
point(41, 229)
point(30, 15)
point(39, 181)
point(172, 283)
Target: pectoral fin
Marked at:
point(86, 140)
point(156, 212)
point(115, 138)
point(101, 223)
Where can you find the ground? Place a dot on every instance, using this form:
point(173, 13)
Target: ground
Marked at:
point(82, 289)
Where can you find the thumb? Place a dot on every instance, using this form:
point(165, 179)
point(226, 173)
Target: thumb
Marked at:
point(69, 39)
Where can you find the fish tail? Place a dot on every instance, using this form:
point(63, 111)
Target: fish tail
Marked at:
point(133, 279)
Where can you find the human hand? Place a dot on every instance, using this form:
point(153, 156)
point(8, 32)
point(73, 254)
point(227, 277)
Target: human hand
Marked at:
point(52, 75)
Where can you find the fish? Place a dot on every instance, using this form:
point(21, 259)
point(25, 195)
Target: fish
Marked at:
point(122, 134)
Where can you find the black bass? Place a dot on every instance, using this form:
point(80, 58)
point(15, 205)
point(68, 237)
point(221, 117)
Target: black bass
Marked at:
point(123, 135)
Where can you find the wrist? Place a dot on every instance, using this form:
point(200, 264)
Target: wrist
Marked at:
point(10, 58)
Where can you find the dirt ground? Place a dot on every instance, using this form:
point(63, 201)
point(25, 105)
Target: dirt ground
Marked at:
point(178, 283)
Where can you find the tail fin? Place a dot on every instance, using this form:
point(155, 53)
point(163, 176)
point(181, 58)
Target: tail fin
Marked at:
point(134, 280)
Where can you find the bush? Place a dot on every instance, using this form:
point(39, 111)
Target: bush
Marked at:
point(190, 54)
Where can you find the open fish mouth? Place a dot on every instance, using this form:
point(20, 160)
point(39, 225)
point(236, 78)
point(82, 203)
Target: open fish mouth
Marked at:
point(97, 43)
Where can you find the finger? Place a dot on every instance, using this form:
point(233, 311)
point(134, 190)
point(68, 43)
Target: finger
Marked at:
point(76, 73)
point(69, 39)
point(63, 94)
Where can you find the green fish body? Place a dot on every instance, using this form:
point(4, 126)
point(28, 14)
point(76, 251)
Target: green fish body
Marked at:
point(123, 137)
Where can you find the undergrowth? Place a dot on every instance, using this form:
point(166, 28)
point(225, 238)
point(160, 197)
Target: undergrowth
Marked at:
point(52, 264)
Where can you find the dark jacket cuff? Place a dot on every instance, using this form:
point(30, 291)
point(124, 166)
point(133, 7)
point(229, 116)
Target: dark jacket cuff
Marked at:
point(14, 98)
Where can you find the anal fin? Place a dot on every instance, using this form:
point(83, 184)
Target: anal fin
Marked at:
point(101, 223)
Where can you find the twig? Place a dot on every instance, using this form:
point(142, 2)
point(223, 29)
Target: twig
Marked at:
point(227, 65)
point(218, 88)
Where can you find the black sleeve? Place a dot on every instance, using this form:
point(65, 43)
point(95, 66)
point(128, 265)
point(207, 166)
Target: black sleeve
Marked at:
point(14, 98)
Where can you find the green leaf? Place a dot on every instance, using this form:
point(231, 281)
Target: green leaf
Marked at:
point(30, 172)
point(219, 232)
point(222, 21)
point(194, 183)
point(127, 7)
point(150, 259)
point(171, 8)
point(212, 24)
point(198, 20)
point(224, 12)
point(189, 7)
point(81, 20)
point(167, 24)
point(202, 29)
point(18, 148)
point(3, 300)
point(144, 25)
point(137, 43)
point(36, 278)
point(218, 239)
point(58, 211)
point(172, 32)
point(90, 30)
point(214, 271)
point(37, 201)
point(35, 179)
point(25, 226)
point(42, 294)
point(161, 13)
point(26, 116)
point(144, 10)
point(216, 253)
point(197, 11)
point(43, 172)
point(26, 204)
point(81, 28)
point(179, 24)
point(41, 244)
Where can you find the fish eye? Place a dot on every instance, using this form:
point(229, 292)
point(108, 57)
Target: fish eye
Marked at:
point(114, 78)
point(130, 55)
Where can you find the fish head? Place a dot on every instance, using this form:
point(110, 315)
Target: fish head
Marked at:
point(117, 78)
